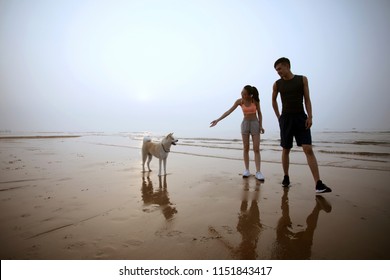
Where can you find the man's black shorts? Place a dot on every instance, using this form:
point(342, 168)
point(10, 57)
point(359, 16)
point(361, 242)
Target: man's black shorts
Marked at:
point(294, 125)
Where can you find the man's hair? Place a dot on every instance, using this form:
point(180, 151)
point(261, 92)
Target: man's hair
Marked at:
point(283, 60)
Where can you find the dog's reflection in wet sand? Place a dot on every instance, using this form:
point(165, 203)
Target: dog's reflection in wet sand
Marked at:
point(158, 196)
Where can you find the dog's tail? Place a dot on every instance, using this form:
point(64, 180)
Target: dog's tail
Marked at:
point(147, 139)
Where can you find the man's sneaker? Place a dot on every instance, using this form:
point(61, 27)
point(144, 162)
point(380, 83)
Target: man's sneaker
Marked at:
point(246, 174)
point(322, 188)
point(286, 181)
point(259, 176)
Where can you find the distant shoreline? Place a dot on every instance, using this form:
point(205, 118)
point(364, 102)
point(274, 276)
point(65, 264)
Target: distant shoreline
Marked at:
point(37, 137)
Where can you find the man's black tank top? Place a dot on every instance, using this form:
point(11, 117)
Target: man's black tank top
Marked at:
point(291, 92)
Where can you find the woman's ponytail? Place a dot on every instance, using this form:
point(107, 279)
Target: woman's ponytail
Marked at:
point(253, 92)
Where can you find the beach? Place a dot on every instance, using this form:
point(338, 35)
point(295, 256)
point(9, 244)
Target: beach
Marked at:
point(84, 196)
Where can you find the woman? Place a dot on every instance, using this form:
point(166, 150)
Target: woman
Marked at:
point(251, 125)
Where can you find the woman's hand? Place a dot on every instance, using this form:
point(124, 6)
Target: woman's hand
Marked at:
point(213, 123)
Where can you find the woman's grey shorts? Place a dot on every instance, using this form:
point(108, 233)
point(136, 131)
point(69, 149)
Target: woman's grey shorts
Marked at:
point(250, 127)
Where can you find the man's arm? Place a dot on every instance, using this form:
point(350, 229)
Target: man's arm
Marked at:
point(308, 107)
point(275, 101)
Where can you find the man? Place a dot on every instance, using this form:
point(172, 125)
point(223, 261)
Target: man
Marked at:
point(293, 122)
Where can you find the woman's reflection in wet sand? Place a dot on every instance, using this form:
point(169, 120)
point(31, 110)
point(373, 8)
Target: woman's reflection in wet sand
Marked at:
point(249, 225)
point(290, 245)
point(159, 197)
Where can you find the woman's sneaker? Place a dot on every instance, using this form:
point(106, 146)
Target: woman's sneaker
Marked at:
point(246, 174)
point(322, 188)
point(259, 176)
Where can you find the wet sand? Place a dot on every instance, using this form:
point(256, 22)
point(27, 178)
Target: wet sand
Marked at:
point(70, 198)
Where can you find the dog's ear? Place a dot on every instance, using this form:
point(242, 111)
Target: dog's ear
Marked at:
point(170, 134)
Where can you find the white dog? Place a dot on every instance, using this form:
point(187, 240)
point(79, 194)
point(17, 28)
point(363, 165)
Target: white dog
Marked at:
point(159, 150)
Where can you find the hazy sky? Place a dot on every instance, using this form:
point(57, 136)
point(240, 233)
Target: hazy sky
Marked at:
point(174, 66)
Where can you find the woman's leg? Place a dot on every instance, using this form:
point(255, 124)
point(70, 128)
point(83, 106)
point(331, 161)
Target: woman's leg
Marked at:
point(256, 150)
point(245, 141)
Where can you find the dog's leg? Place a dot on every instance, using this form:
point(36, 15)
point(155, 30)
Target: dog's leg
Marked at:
point(149, 160)
point(143, 160)
point(165, 166)
point(159, 166)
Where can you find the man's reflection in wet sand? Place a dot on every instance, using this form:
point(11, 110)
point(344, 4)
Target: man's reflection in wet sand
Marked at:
point(159, 196)
point(296, 245)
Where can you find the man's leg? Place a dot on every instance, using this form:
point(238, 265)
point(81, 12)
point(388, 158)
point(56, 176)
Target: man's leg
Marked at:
point(312, 162)
point(286, 160)
point(286, 141)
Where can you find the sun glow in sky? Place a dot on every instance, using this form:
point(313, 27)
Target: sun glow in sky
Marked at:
point(176, 65)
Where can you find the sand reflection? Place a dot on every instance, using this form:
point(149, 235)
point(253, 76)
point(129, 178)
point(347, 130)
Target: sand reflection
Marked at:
point(157, 196)
point(248, 225)
point(296, 245)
